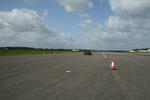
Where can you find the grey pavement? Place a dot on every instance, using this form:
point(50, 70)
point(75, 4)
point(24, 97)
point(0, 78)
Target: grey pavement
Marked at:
point(74, 77)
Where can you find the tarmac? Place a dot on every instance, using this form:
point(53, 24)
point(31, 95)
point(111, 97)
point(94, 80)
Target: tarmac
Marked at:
point(75, 76)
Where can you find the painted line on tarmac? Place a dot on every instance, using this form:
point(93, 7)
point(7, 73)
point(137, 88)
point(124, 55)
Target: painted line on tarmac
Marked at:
point(68, 71)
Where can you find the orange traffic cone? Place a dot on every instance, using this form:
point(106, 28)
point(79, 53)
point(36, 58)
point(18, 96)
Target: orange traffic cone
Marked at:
point(113, 67)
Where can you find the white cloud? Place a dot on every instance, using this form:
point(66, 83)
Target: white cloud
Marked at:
point(129, 28)
point(75, 5)
point(84, 15)
point(130, 14)
point(130, 6)
point(86, 23)
point(45, 12)
point(117, 22)
point(130, 25)
point(105, 38)
point(26, 28)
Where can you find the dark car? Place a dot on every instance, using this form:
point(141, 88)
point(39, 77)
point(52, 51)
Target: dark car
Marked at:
point(87, 53)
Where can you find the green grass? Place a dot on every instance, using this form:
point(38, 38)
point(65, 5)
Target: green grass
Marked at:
point(29, 52)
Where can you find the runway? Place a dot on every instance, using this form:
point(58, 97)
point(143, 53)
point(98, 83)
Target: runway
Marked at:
point(75, 77)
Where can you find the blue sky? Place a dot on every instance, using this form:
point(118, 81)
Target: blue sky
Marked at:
point(58, 18)
point(91, 24)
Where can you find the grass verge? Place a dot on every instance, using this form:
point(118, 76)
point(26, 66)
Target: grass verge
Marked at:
point(29, 52)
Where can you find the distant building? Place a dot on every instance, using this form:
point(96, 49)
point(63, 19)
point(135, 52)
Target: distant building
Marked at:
point(131, 51)
point(142, 50)
point(75, 50)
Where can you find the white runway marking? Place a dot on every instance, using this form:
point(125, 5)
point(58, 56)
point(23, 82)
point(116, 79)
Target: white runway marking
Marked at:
point(68, 71)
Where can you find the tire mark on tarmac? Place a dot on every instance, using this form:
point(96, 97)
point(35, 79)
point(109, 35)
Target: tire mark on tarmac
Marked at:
point(131, 91)
point(121, 83)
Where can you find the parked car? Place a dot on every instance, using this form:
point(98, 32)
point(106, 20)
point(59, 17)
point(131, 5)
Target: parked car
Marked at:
point(87, 53)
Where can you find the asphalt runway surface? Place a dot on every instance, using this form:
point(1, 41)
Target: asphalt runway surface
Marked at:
point(74, 77)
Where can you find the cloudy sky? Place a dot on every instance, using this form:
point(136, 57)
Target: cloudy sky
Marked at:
point(84, 24)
